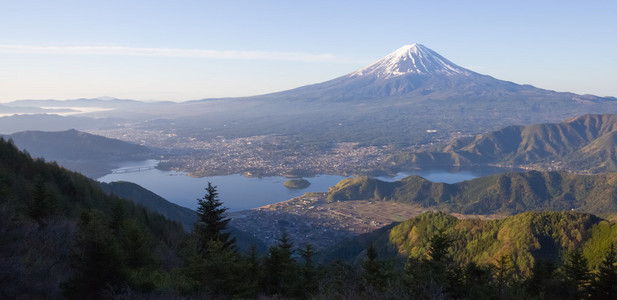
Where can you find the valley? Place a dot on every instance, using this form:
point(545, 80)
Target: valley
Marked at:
point(310, 219)
point(268, 155)
point(478, 162)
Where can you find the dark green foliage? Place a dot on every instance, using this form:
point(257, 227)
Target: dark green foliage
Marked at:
point(478, 281)
point(543, 282)
point(252, 273)
point(103, 247)
point(297, 183)
point(216, 271)
point(436, 275)
point(137, 244)
point(211, 222)
point(96, 259)
point(280, 268)
point(343, 281)
point(375, 272)
point(361, 188)
point(308, 272)
point(174, 212)
point(524, 238)
point(116, 243)
point(42, 204)
point(513, 258)
point(576, 273)
point(502, 193)
point(605, 284)
point(507, 278)
point(151, 201)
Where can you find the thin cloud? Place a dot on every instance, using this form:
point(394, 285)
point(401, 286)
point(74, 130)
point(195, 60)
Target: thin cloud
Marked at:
point(167, 52)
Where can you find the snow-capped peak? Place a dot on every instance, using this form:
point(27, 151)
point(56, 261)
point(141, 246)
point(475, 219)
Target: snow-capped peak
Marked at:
point(413, 58)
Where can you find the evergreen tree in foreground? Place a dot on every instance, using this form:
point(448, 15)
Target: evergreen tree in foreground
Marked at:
point(213, 265)
point(605, 286)
point(374, 273)
point(280, 268)
point(212, 222)
point(577, 274)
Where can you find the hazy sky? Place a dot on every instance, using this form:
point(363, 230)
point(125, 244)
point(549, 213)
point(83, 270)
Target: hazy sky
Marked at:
point(185, 50)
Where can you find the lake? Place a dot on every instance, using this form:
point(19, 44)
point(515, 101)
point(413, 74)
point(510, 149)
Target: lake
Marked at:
point(240, 193)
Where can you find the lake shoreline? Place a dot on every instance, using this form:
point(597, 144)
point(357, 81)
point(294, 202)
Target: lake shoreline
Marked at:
point(239, 192)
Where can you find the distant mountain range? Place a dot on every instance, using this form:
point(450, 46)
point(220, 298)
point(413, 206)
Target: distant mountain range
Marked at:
point(80, 151)
point(392, 101)
point(75, 145)
point(586, 143)
point(506, 193)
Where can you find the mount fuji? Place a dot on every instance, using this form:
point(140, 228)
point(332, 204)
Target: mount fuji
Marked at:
point(411, 59)
point(411, 72)
point(412, 95)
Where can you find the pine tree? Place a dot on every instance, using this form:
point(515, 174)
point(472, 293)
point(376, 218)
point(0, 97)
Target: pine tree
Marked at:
point(42, 203)
point(96, 259)
point(506, 277)
point(251, 274)
point(212, 222)
point(309, 274)
point(541, 284)
point(280, 268)
point(605, 286)
point(374, 273)
point(439, 247)
point(577, 273)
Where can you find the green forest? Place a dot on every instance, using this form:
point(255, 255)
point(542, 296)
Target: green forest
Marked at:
point(584, 144)
point(64, 237)
point(505, 193)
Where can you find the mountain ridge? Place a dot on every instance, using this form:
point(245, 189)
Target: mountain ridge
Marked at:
point(371, 110)
point(505, 193)
point(585, 143)
point(414, 58)
point(72, 144)
point(525, 238)
point(90, 154)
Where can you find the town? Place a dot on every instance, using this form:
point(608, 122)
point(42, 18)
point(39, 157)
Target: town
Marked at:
point(267, 155)
point(310, 219)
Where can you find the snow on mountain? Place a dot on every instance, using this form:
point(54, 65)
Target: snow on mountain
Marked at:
point(414, 58)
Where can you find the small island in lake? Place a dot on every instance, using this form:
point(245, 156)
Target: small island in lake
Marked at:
point(297, 184)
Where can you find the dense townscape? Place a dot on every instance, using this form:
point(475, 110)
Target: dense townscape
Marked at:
point(310, 219)
point(265, 155)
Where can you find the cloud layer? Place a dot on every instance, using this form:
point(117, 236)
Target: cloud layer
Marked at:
point(166, 52)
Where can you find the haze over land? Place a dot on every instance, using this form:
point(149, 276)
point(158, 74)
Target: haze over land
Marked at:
point(409, 101)
point(196, 50)
point(302, 151)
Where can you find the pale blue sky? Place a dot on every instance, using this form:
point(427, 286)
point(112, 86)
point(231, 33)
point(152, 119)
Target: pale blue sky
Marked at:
point(185, 50)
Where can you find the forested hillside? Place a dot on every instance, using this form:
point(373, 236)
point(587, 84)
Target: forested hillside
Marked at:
point(62, 235)
point(185, 216)
point(88, 154)
point(533, 255)
point(586, 143)
point(506, 193)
